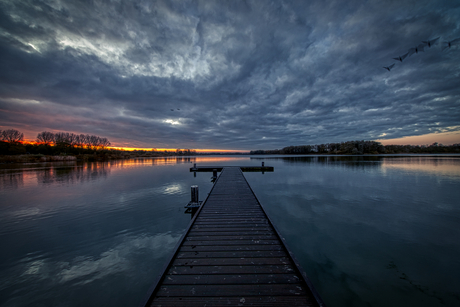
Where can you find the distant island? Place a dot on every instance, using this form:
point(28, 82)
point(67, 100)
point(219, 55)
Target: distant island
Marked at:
point(360, 148)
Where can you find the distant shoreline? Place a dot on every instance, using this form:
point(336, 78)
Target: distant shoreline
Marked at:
point(25, 159)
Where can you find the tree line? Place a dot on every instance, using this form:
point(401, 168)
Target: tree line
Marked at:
point(360, 148)
point(64, 143)
point(57, 139)
point(70, 139)
point(49, 143)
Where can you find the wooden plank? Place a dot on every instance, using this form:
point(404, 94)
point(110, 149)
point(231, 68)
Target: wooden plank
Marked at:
point(241, 220)
point(230, 261)
point(231, 254)
point(232, 290)
point(211, 228)
point(230, 238)
point(201, 235)
point(231, 269)
point(231, 248)
point(231, 279)
point(237, 242)
point(228, 232)
point(261, 301)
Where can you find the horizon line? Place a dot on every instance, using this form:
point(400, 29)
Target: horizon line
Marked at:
point(174, 149)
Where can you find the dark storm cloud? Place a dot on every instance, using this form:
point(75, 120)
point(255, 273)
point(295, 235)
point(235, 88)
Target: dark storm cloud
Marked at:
point(244, 74)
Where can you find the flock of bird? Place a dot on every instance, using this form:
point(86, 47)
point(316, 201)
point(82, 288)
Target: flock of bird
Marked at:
point(421, 47)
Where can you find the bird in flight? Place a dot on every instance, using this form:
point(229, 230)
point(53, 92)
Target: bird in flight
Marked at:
point(389, 67)
point(431, 42)
point(417, 49)
point(401, 57)
point(451, 43)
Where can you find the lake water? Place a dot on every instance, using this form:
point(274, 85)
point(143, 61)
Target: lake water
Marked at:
point(369, 231)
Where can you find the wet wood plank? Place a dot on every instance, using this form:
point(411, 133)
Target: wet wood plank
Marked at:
point(229, 290)
point(232, 279)
point(230, 248)
point(229, 243)
point(231, 269)
point(261, 301)
point(231, 254)
point(231, 261)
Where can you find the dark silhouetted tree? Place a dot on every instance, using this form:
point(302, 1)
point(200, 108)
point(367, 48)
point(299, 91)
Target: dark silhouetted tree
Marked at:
point(12, 136)
point(45, 137)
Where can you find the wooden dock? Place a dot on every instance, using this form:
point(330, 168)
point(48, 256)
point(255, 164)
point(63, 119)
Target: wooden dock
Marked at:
point(232, 255)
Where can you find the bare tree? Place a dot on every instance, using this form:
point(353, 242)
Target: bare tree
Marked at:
point(45, 137)
point(83, 140)
point(62, 139)
point(104, 142)
point(12, 135)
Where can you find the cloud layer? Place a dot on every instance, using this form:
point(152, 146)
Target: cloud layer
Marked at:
point(229, 75)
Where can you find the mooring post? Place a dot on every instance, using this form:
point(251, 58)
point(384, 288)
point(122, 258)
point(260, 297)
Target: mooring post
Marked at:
point(195, 194)
point(195, 202)
point(263, 164)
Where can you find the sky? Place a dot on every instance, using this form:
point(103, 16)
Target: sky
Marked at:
point(235, 75)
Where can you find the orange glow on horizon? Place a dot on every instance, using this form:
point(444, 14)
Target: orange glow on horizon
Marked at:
point(445, 138)
point(174, 149)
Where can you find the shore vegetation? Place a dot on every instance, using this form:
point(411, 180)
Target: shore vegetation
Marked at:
point(64, 146)
point(361, 148)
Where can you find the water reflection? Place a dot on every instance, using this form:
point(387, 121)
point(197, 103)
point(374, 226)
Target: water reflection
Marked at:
point(445, 165)
point(90, 234)
point(49, 175)
point(370, 231)
point(383, 233)
point(345, 161)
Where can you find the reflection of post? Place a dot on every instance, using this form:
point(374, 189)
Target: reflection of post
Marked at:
point(195, 202)
point(194, 168)
point(214, 175)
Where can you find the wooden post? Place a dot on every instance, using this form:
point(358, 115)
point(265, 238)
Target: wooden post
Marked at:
point(195, 197)
point(263, 164)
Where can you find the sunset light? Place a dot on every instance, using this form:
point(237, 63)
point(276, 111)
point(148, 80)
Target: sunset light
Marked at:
point(162, 152)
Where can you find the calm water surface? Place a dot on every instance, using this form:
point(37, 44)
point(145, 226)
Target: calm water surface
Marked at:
point(369, 231)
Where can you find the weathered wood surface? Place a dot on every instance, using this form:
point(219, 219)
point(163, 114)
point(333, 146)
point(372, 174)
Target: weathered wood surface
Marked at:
point(231, 255)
